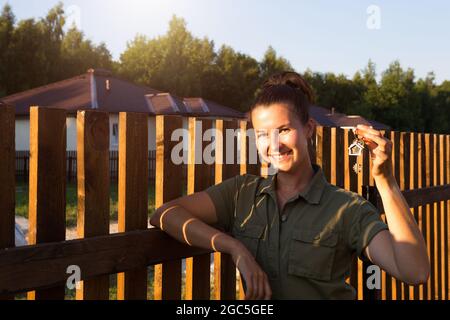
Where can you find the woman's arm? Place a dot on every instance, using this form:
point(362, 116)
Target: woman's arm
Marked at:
point(188, 220)
point(401, 251)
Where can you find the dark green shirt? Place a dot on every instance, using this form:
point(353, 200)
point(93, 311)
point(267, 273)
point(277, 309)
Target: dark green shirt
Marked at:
point(305, 250)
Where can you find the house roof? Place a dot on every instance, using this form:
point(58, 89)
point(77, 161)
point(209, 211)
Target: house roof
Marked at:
point(197, 105)
point(98, 89)
point(327, 118)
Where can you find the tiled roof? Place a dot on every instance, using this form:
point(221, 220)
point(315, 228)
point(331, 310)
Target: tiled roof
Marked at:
point(98, 89)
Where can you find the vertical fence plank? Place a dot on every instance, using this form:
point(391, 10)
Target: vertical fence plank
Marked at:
point(413, 166)
point(93, 190)
point(394, 283)
point(7, 180)
point(224, 268)
point(432, 222)
point(198, 267)
point(253, 165)
point(326, 152)
point(385, 281)
point(133, 195)
point(167, 281)
point(442, 224)
point(319, 146)
point(333, 149)
point(340, 151)
point(426, 218)
point(47, 191)
point(404, 185)
point(447, 213)
point(353, 278)
point(436, 228)
point(419, 165)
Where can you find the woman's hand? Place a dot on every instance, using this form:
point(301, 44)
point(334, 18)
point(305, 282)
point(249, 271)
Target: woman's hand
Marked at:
point(380, 151)
point(256, 280)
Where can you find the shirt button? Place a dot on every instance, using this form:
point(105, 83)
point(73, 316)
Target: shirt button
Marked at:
point(283, 218)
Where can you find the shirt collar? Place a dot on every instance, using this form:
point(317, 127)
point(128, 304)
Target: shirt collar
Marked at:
point(312, 193)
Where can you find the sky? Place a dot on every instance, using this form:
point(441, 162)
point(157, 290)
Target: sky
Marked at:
point(324, 36)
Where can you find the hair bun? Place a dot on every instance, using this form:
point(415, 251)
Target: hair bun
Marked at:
point(293, 80)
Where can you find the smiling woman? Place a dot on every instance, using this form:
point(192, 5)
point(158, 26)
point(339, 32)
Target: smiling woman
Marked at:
point(293, 235)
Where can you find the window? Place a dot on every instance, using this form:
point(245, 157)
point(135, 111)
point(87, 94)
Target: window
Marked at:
point(115, 134)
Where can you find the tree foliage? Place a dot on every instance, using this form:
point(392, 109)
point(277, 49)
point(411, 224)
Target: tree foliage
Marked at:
point(37, 51)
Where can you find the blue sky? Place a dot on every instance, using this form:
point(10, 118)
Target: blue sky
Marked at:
point(320, 35)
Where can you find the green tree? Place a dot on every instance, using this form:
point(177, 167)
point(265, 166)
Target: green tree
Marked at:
point(7, 21)
point(38, 52)
point(398, 103)
point(79, 54)
point(272, 63)
point(176, 62)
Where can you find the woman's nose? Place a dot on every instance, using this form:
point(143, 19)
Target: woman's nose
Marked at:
point(274, 141)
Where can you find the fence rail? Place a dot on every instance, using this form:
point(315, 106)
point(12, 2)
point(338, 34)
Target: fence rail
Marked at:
point(421, 167)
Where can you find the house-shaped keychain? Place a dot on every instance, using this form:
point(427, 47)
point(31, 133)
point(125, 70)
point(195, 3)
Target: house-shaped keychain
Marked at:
point(356, 148)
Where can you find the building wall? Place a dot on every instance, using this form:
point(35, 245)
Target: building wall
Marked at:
point(22, 134)
point(22, 130)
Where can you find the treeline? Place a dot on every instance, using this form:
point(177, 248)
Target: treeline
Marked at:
point(36, 52)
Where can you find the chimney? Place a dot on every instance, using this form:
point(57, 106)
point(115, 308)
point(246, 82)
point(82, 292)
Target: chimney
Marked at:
point(332, 110)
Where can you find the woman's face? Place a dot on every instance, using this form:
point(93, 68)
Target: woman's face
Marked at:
point(281, 138)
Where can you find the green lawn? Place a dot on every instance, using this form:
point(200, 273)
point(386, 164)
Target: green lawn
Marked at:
point(71, 202)
point(71, 221)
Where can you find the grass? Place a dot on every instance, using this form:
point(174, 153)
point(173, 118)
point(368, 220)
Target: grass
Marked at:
point(71, 221)
point(71, 202)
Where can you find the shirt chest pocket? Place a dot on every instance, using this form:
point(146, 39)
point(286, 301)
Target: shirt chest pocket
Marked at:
point(311, 254)
point(250, 236)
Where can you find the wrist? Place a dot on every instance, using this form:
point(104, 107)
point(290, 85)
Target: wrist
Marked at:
point(385, 182)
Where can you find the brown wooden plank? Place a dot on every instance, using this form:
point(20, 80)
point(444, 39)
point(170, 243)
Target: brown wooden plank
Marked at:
point(167, 283)
point(355, 185)
point(422, 196)
point(441, 225)
point(47, 189)
point(198, 268)
point(326, 152)
point(253, 165)
point(133, 195)
point(319, 146)
point(340, 157)
point(433, 229)
point(435, 223)
point(333, 148)
point(420, 168)
point(93, 190)
point(427, 183)
point(447, 212)
point(405, 177)
point(224, 268)
point(7, 180)
point(44, 265)
point(353, 278)
point(412, 174)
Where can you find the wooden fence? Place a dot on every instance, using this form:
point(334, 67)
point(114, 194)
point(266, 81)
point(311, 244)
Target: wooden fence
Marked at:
point(421, 166)
point(23, 165)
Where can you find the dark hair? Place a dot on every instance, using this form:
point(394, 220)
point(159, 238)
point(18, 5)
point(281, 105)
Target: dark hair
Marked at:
point(287, 87)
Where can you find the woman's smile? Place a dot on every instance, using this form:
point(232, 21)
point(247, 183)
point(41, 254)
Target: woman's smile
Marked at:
point(281, 156)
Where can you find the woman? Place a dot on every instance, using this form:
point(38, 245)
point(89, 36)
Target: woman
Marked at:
point(292, 235)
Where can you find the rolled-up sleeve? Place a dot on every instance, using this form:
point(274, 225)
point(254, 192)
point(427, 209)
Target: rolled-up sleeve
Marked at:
point(224, 196)
point(366, 223)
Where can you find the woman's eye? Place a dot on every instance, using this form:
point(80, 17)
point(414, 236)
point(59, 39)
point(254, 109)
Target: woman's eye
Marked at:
point(284, 130)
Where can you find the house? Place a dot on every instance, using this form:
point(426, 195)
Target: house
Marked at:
point(331, 118)
point(99, 90)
